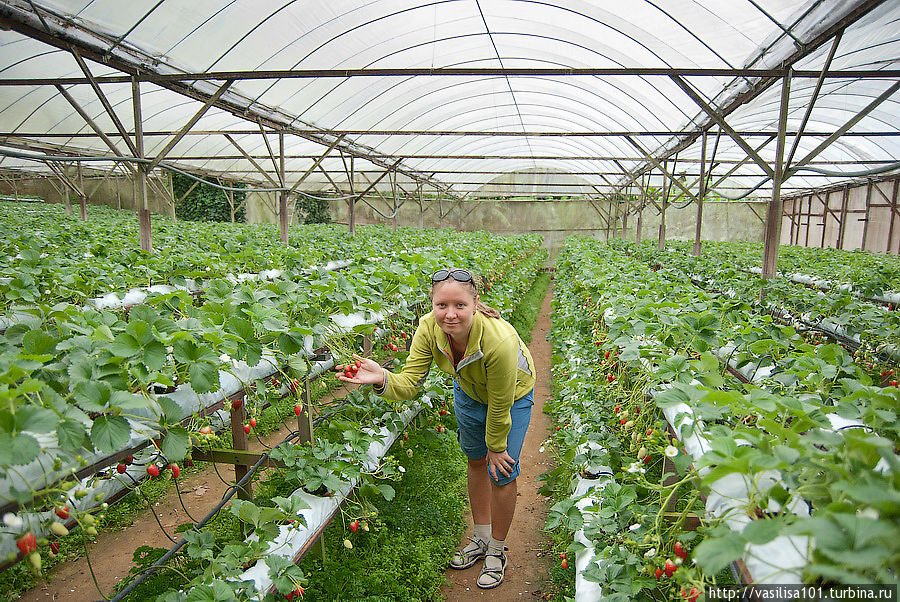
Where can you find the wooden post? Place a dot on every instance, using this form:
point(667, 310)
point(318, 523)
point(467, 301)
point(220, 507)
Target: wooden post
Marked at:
point(865, 232)
point(239, 442)
point(65, 195)
point(842, 227)
point(82, 201)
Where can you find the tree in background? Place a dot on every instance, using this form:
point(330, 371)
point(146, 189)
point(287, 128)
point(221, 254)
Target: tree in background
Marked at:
point(206, 203)
point(313, 210)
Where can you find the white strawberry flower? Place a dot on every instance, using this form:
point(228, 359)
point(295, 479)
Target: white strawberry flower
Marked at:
point(671, 451)
point(636, 467)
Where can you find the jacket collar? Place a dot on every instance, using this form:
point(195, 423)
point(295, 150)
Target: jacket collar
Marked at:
point(473, 345)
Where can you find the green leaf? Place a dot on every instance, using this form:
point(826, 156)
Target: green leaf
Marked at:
point(672, 396)
point(762, 531)
point(387, 491)
point(714, 554)
point(204, 377)
point(35, 419)
point(18, 449)
point(175, 444)
point(70, 435)
point(38, 342)
point(92, 396)
point(110, 433)
point(154, 355)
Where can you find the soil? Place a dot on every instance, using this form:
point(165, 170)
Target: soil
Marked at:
point(111, 553)
point(528, 557)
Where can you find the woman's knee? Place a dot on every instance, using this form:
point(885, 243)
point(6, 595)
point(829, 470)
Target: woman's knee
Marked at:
point(477, 464)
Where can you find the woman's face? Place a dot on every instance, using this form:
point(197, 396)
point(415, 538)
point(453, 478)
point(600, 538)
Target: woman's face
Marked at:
point(454, 308)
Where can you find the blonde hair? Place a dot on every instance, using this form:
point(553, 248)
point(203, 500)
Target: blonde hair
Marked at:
point(487, 310)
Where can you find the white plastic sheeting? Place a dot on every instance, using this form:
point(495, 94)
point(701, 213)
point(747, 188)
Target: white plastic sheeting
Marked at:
point(223, 35)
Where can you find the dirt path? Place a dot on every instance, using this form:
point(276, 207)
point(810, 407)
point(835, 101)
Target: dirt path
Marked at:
point(526, 573)
point(112, 552)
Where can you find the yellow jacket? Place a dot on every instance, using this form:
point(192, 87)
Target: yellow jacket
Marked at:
point(496, 370)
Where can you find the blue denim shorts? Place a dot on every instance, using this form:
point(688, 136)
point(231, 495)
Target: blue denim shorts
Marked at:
point(471, 417)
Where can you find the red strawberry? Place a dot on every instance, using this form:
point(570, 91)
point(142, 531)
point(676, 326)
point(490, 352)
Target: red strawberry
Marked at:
point(27, 543)
point(564, 564)
point(252, 422)
point(129, 460)
point(692, 596)
point(357, 364)
point(354, 526)
point(63, 512)
point(54, 547)
point(298, 410)
point(562, 556)
point(237, 403)
point(121, 468)
point(606, 355)
point(205, 430)
point(443, 412)
point(618, 408)
point(893, 383)
point(189, 463)
point(153, 470)
point(394, 347)
point(670, 568)
point(657, 573)
point(247, 428)
point(622, 421)
point(297, 593)
point(176, 472)
point(647, 459)
point(649, 431)
point(680, 551)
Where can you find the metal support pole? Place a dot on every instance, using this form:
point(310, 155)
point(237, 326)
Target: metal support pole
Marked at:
point(662, 214)
point(141, 202)
point(351, 203)
point(699, 226)
point(283, 195)
point(774, 215)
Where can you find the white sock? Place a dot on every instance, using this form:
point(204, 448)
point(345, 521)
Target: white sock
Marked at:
point(496, 546)
point(482, 532)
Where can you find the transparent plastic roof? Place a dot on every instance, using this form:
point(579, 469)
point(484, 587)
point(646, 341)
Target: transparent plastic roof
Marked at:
point(570, 116)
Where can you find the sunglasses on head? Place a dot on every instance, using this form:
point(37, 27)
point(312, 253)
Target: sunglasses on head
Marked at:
point(459, 275)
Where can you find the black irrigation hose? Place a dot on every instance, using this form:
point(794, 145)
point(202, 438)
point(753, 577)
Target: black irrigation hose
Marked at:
point(180, 499)
point(232, 490)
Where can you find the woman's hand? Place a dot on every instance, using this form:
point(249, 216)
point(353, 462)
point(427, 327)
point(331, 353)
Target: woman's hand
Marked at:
point(500, 463)
point(370, 373)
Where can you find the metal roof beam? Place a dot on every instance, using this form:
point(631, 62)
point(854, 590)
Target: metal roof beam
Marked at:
point(169, 78)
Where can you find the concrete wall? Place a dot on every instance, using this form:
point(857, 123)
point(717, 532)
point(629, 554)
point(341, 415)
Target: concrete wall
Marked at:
point(557, 219)
point(115, 191)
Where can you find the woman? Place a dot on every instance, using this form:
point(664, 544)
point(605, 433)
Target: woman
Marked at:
point(493, 392)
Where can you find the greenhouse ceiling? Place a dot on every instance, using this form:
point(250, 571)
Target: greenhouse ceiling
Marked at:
point(450, 95)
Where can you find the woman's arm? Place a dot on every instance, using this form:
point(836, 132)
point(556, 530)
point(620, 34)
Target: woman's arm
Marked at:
point(405, 384)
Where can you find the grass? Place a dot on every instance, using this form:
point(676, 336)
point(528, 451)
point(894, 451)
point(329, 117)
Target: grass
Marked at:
point(525, 315)
point(405, 553)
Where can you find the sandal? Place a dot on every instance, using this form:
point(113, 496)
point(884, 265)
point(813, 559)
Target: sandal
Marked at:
point(469, 555)
point(492, 577)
